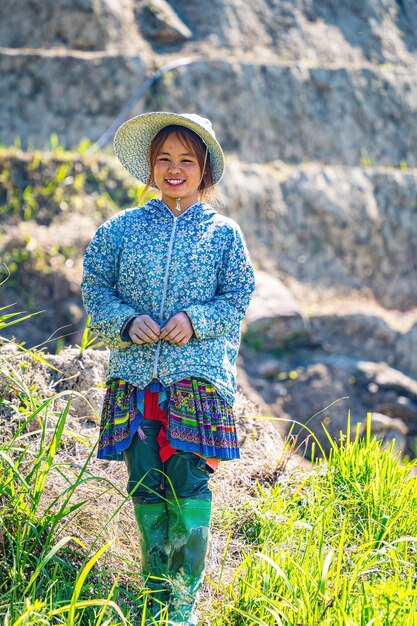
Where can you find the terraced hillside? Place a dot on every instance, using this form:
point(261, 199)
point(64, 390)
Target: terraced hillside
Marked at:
point(315, 103)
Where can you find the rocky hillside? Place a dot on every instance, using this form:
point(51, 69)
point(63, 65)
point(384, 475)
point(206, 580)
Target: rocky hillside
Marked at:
point(315, 104)
point(293, 80)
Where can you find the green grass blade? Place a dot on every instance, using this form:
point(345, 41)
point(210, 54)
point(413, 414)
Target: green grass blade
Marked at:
point(48, 557)
point(80, 582)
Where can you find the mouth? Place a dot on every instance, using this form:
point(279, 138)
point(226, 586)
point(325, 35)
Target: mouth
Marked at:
point(174, 182)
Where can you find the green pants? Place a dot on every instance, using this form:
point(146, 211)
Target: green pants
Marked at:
point(184, 475)
point(172, 504)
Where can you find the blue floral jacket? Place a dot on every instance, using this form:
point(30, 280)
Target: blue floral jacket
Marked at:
point(147, 261)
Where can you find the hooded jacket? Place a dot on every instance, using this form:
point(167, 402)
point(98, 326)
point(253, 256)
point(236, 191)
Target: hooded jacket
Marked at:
point(147, 261)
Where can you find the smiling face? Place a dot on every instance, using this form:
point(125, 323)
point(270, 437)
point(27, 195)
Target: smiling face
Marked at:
point(177, 173)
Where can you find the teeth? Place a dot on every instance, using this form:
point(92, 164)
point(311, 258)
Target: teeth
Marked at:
point(174, 181)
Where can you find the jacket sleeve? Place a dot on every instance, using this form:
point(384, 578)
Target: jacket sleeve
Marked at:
point(235, 286)
point(109, 315)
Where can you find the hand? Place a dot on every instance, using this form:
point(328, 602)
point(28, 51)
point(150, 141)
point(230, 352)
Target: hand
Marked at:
point(144, 330)
point(178, 330)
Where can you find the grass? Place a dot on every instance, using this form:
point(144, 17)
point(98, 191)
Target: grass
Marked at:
point(43, 571)
point(47, 186)
point(335, 545)
point(337, 548)
point(48, 573)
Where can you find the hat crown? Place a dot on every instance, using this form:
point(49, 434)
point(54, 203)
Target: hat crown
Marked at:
point(201, 121)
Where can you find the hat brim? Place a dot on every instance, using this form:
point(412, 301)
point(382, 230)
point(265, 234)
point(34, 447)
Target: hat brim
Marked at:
point(133, 139)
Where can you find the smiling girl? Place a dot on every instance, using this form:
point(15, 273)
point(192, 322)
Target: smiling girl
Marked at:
point(167, 285)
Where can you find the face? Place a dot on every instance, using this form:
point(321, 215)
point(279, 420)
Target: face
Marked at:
point(177, 173)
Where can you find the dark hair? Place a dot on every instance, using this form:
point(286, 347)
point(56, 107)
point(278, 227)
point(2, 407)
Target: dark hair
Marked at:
point(195, 144)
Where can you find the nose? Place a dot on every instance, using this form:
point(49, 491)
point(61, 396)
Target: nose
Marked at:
point(174, 167)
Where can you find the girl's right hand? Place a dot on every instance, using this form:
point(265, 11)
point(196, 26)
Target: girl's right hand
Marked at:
point(144, 330)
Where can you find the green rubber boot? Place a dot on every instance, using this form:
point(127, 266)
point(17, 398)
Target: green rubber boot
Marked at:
point(152, 521)
point(189, 522)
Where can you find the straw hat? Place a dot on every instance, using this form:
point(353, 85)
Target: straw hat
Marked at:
point(133, 139)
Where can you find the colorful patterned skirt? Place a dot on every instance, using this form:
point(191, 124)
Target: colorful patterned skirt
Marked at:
point(195, 417)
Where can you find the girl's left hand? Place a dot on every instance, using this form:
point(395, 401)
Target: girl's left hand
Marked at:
point(178, 330)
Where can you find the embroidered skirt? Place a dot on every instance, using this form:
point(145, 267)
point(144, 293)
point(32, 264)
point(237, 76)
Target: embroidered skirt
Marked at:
point(199, 419)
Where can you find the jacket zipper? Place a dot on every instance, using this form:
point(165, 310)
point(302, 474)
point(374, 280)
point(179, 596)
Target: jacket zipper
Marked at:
point(164, 293)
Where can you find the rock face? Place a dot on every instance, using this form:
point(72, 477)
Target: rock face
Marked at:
point(295, 113)
point(331, 227)
point(321, 31)
point(310, 81)
point(69, 24)
point(53, 87)
point(286, 112)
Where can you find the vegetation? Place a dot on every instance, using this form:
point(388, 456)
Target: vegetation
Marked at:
point(335, 547)
point(47, 186)
point(48, 574)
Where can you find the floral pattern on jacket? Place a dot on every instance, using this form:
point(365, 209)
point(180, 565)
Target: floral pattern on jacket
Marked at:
point(147, 261)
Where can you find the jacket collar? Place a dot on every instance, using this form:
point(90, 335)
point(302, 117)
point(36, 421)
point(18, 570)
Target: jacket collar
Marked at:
point(194, 212)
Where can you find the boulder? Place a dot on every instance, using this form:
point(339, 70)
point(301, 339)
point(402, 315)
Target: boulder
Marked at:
point(390, 431)
point(319, 394)
point(386, 378)
point(84, 372)
point(388, 391)
point(79, 372)
point(358, 335)
point(274, 320)
point(405, 350)
point(160, 23)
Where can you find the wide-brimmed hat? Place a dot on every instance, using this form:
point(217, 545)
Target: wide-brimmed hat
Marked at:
point(133, 139)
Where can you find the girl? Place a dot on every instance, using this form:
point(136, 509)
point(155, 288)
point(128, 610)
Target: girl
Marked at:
point(166, 286)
